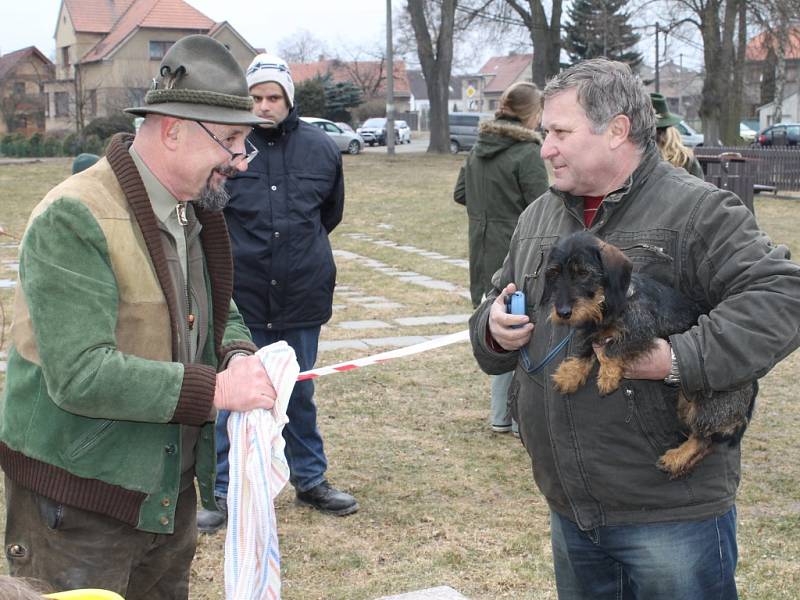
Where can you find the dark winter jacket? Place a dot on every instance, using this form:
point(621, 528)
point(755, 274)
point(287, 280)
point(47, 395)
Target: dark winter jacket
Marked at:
point(594, 458)
point(503, 174)
point(279, 217)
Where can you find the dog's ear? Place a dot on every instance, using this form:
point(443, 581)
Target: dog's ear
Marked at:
point(618, 268)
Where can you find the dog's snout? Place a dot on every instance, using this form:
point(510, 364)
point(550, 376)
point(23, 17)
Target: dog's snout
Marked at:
point(564, 312)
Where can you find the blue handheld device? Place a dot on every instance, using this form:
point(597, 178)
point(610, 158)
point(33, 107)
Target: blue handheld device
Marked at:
point(515, 304)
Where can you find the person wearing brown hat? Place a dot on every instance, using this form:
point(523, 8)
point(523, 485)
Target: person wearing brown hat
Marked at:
point(668, 140)
point(126, 343)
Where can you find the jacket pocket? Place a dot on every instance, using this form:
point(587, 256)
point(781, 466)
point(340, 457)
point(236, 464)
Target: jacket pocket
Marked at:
point(85, 443)
point(652, 252)
point(654, 405)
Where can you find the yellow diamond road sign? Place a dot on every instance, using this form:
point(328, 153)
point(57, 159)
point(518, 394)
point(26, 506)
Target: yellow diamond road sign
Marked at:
point(470, 91)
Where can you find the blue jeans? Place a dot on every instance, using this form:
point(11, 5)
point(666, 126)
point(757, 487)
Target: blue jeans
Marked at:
point(688, 560)
point(304, 451)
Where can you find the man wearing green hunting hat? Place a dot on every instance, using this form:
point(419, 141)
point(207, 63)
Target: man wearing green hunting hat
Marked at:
point(126, 342)
point(668, 139)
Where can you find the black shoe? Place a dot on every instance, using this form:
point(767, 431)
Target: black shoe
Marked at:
point(211, 521)
point(329, 500)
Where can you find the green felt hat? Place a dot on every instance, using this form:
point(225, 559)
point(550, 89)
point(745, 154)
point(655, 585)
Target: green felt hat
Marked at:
point(200, 80)
point(664, 118)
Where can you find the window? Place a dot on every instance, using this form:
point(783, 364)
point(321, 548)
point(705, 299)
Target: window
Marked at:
point(65, 56)
point(331, 128)
point(92, 103)
point(19, 88)
point(159, 49)
point(46, 104)
point(62, 104)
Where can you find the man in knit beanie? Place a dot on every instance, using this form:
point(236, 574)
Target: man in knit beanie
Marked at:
point(279, 217)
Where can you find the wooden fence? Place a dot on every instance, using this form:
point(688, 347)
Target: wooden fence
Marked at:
point(772, 168)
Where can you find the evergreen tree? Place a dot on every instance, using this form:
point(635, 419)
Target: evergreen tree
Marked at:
point(309, 96)
point(339, 96)
point(600, 28)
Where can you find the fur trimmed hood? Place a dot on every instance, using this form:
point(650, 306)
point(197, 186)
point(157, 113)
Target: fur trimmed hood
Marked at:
point(498, 135)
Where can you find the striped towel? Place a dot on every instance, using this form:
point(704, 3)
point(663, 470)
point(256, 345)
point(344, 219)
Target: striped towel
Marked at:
point(258, 472)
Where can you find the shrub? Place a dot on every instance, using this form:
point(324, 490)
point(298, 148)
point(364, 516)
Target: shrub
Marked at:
point(51, 146)
point(93, 144)
point(71, 145)
point(35, 145)
point(105, 127)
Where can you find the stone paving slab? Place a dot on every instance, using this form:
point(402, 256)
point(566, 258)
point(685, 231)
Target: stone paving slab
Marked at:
point(342, 345)
point(443, 592)
point(398, 341)
point(383, 306)
point(367, 324)
point(432, 320)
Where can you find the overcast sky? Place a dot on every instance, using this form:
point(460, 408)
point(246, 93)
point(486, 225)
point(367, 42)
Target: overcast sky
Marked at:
point(341, 24)
point(337, 22)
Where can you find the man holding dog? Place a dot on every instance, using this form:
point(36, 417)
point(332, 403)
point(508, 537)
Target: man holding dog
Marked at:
point(126, 342)
point(620, 527)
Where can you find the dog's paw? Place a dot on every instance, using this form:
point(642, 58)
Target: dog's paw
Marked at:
point(609, 376)
point(572, 374)
point(679, 462)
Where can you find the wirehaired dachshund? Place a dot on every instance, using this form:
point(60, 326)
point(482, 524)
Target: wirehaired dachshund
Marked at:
point(593, 290)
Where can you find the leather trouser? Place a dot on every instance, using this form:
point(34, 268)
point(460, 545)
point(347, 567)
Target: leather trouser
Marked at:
point(69, 548)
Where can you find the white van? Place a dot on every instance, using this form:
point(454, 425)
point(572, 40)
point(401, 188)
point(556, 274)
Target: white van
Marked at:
point(464, 129)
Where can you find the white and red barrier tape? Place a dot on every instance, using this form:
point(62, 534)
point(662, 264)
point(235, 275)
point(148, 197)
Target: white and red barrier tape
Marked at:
point(445, 340)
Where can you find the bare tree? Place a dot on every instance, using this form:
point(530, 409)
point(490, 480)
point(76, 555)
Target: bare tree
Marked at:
point(722, 25)
point(301, 47)
point(433, 29)
point(545, 36)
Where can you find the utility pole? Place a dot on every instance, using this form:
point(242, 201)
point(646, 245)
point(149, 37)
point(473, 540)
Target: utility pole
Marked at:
point(658, 83)
point(680, 84)
point(389, 81)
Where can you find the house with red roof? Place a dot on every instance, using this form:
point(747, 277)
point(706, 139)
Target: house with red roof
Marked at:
point(759, 77)
point(482, 90)
point(108, 51)
point(368, 75)
point(22, 76)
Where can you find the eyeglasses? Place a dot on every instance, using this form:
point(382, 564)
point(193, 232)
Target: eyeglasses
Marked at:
point(236, 157)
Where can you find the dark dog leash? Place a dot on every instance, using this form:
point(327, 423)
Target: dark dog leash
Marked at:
point(526, 361)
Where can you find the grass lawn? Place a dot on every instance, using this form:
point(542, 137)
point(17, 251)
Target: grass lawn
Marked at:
point(443, 500)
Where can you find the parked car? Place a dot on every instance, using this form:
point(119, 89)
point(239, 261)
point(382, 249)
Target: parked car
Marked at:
point(782, 134)
point(746, 133)
point(403, 132)
point(690, 137)
point(464, 129)
point(346, 141)
point(373, 131)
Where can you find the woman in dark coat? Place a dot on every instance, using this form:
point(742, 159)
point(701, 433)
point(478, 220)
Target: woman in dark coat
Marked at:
point(503, 174)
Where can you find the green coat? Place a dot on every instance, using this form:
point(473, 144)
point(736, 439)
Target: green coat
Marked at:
point(504, 173)
point(96, 396)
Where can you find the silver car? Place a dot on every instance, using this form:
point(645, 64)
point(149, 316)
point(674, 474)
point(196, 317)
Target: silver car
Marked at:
point(346, 141)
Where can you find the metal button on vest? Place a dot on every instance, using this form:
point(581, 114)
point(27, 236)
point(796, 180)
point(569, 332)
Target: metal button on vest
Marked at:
point(274, 187)
point(165, 502)
point(274, 282)
point(277, 234)
point(170, 448)
point(269, 325)
point(16, 551)
point(164, 521)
